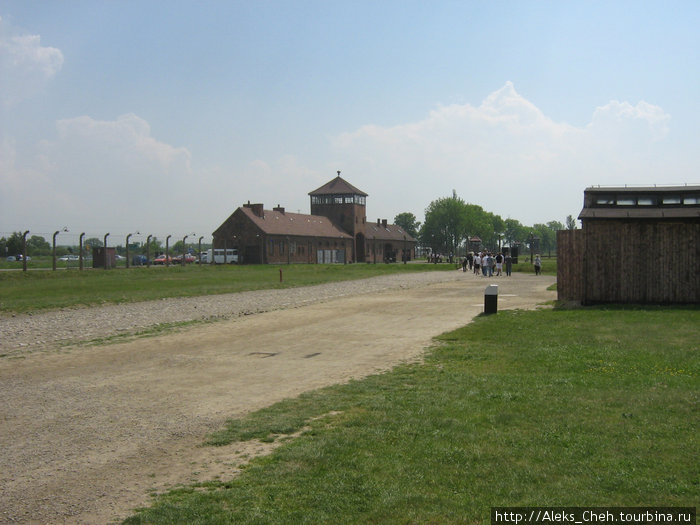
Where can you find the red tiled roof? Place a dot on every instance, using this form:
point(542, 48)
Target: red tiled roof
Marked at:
point(390, 232)
point(338, 186)
point(277, 223)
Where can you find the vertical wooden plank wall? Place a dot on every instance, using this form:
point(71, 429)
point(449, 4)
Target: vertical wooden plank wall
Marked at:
point(641, 262)
point(569, 265)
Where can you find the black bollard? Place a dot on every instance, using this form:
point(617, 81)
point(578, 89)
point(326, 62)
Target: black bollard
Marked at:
point(491, 299)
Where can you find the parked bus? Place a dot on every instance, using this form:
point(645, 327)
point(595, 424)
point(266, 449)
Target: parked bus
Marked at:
point(220, 256)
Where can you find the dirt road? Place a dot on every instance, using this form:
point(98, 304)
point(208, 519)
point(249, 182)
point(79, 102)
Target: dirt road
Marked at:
point(88, 432)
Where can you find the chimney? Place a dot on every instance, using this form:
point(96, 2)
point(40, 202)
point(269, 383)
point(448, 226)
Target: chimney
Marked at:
point(384, 222)
point(379, 222)
point(257, 209)
point(279, 209)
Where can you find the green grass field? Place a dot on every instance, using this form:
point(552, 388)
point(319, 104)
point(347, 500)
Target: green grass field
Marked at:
point(41, 289)
point(46, 289)
point(585, 407)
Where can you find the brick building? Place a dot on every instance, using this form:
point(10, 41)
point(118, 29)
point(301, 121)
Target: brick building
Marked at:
point(336, 231)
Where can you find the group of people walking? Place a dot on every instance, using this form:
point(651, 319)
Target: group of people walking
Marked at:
point(488, 264)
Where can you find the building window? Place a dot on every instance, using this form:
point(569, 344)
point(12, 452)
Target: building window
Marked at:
point(626, 201)
point(271, 247)
point(292, 248)
point(321, 199)
point(281, 247)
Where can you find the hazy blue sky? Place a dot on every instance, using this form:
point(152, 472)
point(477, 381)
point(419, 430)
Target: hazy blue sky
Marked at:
point(163, 117)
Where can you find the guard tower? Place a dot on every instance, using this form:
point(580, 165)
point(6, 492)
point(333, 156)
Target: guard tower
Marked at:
point(344, 205)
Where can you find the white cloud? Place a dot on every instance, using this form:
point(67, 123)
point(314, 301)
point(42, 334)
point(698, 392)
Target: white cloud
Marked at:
point(284, 181)
point(103, 175)
point(622, 117)
point(506, 155)
point(122, 147)
point(25, 65)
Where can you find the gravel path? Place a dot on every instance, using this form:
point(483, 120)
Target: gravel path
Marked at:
point(22, 332)
point(90, 431)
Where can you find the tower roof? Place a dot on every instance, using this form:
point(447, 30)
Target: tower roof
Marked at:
point(338, 186)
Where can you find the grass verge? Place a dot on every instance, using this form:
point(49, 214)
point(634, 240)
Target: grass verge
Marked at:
point(587, 407)
point(42, 290)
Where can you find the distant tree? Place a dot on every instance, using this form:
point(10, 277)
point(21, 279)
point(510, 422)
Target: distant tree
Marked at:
point(155, 247)
point(513, 231)
point(555, 225)
point(11, 245)
point(37, 245)
point(570, 222)
point(176, 249)
point(408, 222)
point(488, 226)
point(445, 224)
point(496, 228)
point(547, 237)
point(93, 242)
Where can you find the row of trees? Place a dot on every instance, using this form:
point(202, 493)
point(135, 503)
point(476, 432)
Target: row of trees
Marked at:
point(38, 246)
point(450, 223)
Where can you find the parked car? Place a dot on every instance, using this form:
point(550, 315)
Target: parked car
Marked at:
point(69, 258)
point(11, 258)
point(189, 258)
point(161, 259)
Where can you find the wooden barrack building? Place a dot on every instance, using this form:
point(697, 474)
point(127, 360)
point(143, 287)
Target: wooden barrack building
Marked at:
point(637, 245)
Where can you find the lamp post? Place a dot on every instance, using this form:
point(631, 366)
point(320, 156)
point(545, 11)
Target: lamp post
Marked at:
point(531, 238)
point(53, 253)
point(127, 248)
point(167, 251)
point(105, 252)
point(148, 251)
point(404, 250)
point(184, 239)
point(200, 250)
point(24, 251)
point(80, 254)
